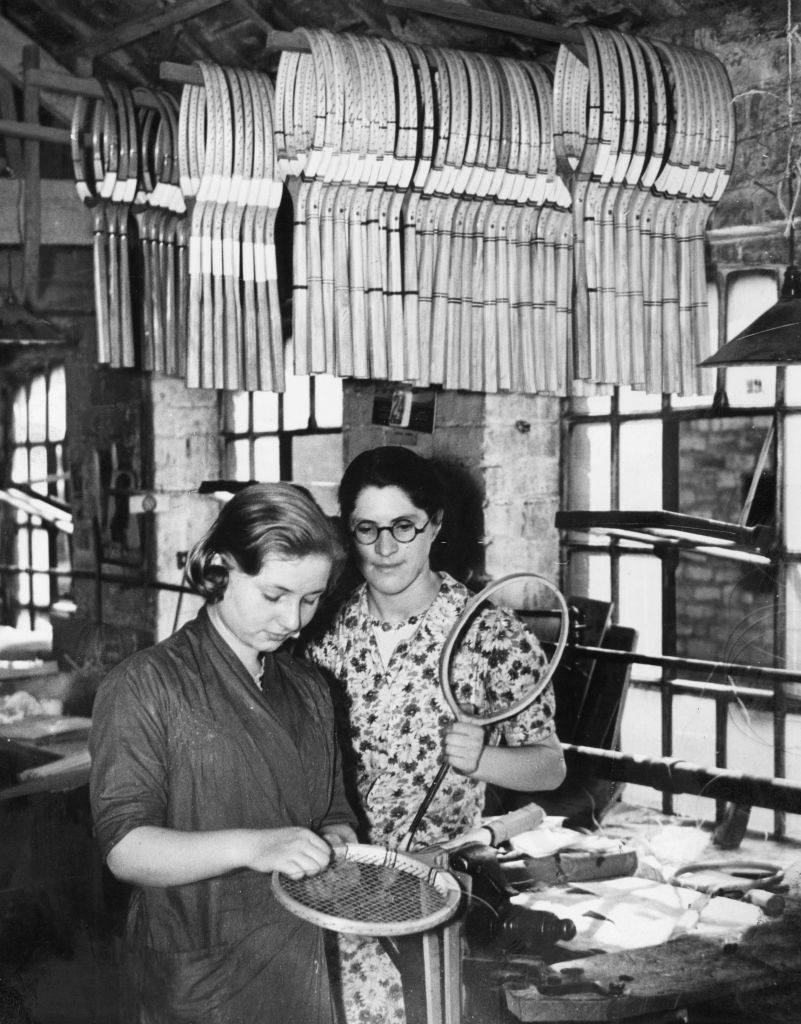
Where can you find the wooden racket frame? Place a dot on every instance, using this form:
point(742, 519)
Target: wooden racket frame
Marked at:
point(459, 714)
point(358, 853)
point(458, 628)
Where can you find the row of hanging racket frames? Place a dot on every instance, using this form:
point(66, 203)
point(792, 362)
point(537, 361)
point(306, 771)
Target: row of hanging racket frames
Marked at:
point(458, 219)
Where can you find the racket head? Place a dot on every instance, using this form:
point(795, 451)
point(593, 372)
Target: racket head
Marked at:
point(372, 891)
point(472, 608)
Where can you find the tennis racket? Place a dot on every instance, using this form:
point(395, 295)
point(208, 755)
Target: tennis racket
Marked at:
point(371, 891)
point(525, 700)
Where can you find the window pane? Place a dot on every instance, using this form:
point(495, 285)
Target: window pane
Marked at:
point(328, 401)
point(20, 417)
point(317, 458)
point(724, 610)
point(57, 398)
point(238, 460)
point(237, 412)
point(592, 405)
point(40, 549)
point(792, 385)
point(23, 560)
point(590, 467)
point(19, 465)
point(588, 575)
point(38, 477)
point(748, 296)
point(296, 403)
point(717, 462)
point(630, 400)
point(37, 409)
point(640, 602)
point(792, 483)
point(23, 589)
point(41, 590)
point(751, 385)
point(694, 729)
point(265, 456)
point(641, 464)
point(793, 611)
point(265, 411)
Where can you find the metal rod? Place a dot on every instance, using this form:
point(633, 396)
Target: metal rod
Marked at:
point(671, 775)
point(691, 664)
point(86, 574)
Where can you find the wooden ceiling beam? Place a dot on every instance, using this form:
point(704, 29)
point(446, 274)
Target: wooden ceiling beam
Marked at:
point(482, 18)
point(12, 42)
point(139, 28)
point(248, 11)
point(116, 66)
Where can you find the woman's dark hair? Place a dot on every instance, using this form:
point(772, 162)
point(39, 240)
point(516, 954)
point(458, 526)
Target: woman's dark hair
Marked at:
point(259, 521)
point(392, 466)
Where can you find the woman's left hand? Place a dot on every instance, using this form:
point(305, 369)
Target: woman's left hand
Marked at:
point(462, 745)
point(339, 835)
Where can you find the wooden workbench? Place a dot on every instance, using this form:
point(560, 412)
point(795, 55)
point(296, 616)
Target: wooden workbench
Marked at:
point(682, 973)
point(647, 985)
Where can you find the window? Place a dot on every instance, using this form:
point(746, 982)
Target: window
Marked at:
point(293, 436)
point(40, 551)
point(630, 451)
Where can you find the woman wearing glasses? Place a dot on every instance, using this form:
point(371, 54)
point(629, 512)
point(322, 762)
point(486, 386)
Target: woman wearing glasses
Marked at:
point(383, 648)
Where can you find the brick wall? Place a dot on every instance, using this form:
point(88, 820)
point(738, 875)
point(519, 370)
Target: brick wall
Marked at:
point(724, 607)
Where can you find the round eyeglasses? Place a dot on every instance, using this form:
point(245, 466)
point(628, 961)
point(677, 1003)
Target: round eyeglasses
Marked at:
point(403, 530)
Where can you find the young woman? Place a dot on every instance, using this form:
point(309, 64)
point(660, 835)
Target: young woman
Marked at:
point(214, 762)
point(383, 647)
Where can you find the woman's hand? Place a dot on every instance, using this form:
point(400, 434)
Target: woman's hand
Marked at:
point(462, 745)
point(296, 852)
point(339, 835)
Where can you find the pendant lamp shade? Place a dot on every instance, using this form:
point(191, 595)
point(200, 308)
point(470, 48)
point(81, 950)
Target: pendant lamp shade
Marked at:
point(774, 337)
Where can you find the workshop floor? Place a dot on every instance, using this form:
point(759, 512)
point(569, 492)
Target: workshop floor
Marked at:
point(81, 985)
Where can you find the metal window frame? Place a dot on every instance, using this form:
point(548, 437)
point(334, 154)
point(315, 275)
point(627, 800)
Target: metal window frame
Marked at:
point(55, 483)
point(671, 684)
point(286, 438)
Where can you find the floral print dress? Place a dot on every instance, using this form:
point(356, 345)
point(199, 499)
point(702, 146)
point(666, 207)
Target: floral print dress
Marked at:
point(395, 714)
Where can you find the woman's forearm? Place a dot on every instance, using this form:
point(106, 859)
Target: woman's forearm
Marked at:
point(537, 766)
point(153, 856)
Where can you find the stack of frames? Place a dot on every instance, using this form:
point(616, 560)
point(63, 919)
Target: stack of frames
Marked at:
point(644, 134)
point(461, 220)
point(432, 233)
point(229, 177)
point(129, 179)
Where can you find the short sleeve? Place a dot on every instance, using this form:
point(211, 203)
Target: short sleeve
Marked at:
point(128, 782)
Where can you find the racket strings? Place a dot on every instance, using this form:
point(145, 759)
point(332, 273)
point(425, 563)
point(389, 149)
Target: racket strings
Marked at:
point(366, 892)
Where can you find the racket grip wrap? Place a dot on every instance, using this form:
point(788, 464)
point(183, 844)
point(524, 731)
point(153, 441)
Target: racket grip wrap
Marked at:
point(512, 824)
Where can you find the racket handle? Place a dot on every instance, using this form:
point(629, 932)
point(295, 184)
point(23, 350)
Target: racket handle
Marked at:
point(421, 810)
point(512, 824)
point(770, 902)
point(498, 830)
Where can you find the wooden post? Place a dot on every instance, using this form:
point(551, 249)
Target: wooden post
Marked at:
point(32, 211)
